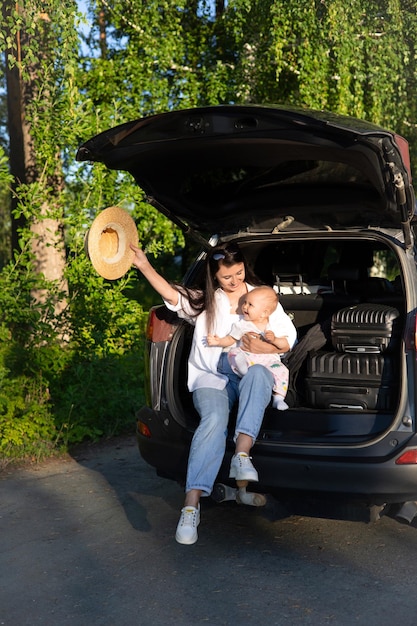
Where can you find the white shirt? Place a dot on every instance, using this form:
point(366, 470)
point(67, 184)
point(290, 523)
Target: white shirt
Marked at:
point(203, 360)
point(242, 327)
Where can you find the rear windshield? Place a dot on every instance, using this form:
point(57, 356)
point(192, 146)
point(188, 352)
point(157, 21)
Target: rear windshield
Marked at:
point(295, 172)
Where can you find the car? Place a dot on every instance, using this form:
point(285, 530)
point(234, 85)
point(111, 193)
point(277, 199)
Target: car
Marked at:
point(323, 208)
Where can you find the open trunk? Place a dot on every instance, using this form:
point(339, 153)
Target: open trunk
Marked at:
point(345, 294)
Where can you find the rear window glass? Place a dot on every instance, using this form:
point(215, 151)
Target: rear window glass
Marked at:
point(294, 172)
point(313, 262)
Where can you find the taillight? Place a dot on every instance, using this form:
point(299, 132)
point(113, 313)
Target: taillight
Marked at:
point(143, 429)
point(407, 458)
point(403, 146)
point(150, 325)
point(158, 329)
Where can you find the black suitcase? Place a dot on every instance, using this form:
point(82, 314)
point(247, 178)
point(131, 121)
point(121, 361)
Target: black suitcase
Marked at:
point(365, 328)
point(350, 381)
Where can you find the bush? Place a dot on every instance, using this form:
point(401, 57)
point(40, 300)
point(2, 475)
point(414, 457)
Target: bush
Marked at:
point(69, 376)
point(27, 426)
point(98, 397)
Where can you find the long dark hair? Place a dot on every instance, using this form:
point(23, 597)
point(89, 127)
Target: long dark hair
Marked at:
point(225, 254)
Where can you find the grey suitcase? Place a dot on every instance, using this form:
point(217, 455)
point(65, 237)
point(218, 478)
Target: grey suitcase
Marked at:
point(357, 382)
point(366, 328)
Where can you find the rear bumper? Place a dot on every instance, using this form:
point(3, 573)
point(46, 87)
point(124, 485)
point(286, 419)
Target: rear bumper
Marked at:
point(371, 482)
point(167, 448)
point(375, 483)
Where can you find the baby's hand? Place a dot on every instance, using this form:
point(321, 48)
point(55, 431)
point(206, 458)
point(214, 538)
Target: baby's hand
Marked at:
point(213, 340)
point(269, 336)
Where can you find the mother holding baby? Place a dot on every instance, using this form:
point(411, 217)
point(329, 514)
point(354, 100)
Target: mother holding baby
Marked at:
point(214, 387)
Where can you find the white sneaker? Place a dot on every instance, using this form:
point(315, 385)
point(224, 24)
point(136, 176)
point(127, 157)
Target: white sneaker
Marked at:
point(187, 526)
point(241, 468)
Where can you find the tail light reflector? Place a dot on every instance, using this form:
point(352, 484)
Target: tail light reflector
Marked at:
point(409, 457)
point(143, 429)
point(158, 329)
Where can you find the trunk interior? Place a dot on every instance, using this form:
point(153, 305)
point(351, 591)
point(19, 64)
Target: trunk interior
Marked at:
point(345, 369)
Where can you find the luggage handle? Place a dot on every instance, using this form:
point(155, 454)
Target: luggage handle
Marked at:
point(356, 407)
point(362, 349)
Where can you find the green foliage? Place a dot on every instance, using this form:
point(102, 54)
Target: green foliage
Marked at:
point(67, 377)
point(98, 396)
point(27, 427)
point(356, 58)
point(5, 184)
point(71, 362)
point(100, 387)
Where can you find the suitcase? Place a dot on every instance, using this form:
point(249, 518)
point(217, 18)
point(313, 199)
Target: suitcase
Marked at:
point(366, 328)
point(350, 381)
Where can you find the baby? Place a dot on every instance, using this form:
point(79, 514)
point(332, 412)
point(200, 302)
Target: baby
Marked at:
point(256, 308)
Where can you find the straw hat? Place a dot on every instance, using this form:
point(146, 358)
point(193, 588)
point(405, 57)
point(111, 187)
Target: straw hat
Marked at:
point(107, 242)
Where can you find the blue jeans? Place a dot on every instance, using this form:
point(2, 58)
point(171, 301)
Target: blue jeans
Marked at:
point(213, 405)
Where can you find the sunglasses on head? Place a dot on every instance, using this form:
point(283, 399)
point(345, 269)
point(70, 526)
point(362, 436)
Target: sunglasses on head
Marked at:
point(218, 256)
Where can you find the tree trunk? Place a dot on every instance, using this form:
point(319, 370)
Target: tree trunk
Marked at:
point(48, 244)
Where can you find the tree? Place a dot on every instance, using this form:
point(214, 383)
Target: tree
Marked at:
point(356, 58)
point(35, 99)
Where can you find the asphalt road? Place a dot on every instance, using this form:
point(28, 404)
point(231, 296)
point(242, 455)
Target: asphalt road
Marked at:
point(89, 540)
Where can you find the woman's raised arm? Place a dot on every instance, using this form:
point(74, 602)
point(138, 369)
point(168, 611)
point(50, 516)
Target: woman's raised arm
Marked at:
point(158, 282)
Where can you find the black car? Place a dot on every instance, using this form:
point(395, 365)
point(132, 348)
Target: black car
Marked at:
point(323, 209)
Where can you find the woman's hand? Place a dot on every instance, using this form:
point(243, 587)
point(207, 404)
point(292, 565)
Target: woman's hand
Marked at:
point(252, 342)
point(140, 260)
point(158, 282)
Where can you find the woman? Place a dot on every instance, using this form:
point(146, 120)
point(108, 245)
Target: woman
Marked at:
point(210, 379)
